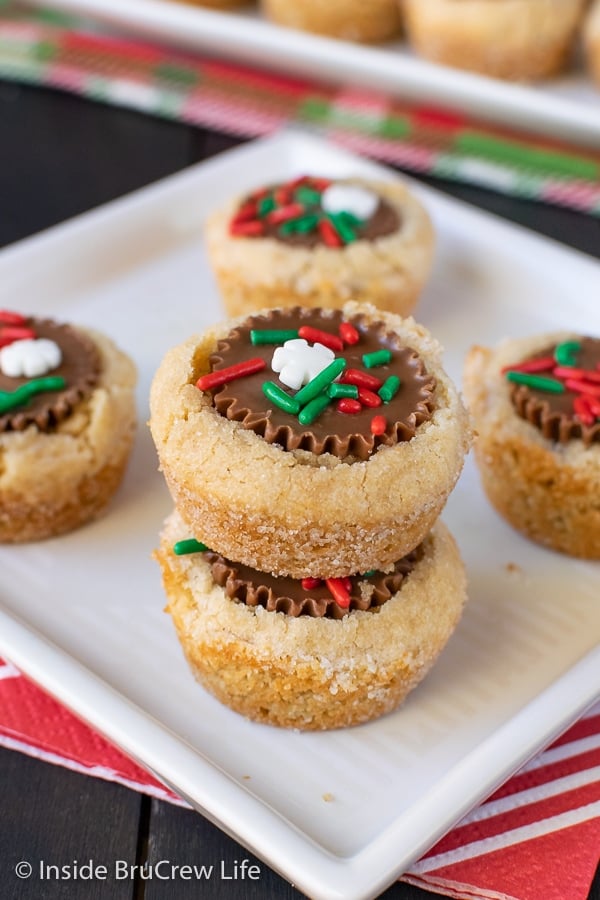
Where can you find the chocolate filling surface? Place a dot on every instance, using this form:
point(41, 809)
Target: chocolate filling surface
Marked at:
point(385, 220)
point(343, 435)
point(554, 414)
point(80, 367)
point(281, 594)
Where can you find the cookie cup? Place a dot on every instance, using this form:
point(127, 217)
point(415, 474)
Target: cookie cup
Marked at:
point(544, 489)
point(513, 39)
point(218, 4)
point(591, 40)
point(389, 271)
point(294, 512)
point(51, 483)
point(313, 673)
point(352, 20)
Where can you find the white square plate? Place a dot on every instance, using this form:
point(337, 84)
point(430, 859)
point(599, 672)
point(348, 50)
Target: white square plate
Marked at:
point(340, 814)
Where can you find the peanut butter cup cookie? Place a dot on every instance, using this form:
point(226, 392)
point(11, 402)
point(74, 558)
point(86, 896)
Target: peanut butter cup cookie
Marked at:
point(309, 442)
point(591, 39)
point(521, 40)
point(67, 421)
point(351, 20)
point(304, 653)
point(536, 409)
point(314, 242)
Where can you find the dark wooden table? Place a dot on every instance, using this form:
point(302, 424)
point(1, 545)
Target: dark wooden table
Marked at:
point(60, 156)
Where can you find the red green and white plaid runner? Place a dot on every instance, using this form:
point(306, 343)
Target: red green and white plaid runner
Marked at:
point(55, 51)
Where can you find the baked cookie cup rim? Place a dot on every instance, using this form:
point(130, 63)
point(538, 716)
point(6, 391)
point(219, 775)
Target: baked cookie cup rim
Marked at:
point(196, 445)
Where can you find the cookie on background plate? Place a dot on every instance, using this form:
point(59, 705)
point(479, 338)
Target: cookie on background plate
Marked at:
point(351, 20)
point(520, 40)
point(591, 40)
point(67, 423)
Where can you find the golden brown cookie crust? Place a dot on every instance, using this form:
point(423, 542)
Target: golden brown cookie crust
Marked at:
point(307, 673)
point(256, 273)
point(351, 20)
point(53, 482)
point(218, 4)
point(546, 490)
point(591, 40)
point(292, 512)
point(513, 39)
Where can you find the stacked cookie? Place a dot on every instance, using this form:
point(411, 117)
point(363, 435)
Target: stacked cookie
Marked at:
point(309, 453)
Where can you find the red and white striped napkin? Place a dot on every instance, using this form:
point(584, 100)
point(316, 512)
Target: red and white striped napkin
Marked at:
point(536, 838)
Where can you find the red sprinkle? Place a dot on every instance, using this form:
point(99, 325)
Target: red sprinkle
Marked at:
point(349, 334)
point(285, 213)
point(347, 583)
point(361, 379)
point(309, 584)
point(583, 387)
point(231, 373)
point(245, 213)
point(369, 398)
point(11, 318)
point(533, 365)
point(593, 403)
point(15, 333)
point(338, 591)
point(320, 184)
point(243, 229)
point(260, 194)
point(283, 196)
point(349, 406)
point(584, 374)
point(330, 236)
point(321, 337)
point(378, 425)
point(583, 411)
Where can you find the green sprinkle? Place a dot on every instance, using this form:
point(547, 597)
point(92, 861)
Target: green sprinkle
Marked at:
point(336, 391)
point(181, 548)
point(389, 388)
point(23, 394)
point(350, 219)
point(539, 382)
point(279, 397)
point(307, 196)
point(566, 353)
point(378, 358)
point(369, 573)
point(320, 383)
point(345, 231)
point(301, 225)
point(313, 409)
point(270, 336)
point(266, 205)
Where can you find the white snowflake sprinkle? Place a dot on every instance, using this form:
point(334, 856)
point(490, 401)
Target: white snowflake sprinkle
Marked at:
point(30, 358)
point(350, 198)
point(297, 362)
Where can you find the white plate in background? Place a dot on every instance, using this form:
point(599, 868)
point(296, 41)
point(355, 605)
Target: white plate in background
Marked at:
point(340, 814)
point(565, 108)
